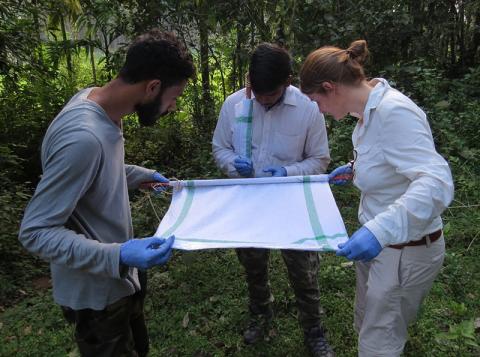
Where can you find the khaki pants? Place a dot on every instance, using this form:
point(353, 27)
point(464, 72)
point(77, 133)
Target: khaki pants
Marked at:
point(389, 292)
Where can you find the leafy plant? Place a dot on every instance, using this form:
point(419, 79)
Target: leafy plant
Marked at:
point(459, 334)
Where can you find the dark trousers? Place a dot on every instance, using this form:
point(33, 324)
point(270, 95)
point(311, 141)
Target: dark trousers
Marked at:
point(117, 330)
point(302, 272)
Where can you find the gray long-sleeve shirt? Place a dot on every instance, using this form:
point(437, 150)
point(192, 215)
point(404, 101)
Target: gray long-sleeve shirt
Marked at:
point(80, 213)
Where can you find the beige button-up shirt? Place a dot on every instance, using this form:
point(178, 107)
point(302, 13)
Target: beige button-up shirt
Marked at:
point(405, 184)
point(292, 134)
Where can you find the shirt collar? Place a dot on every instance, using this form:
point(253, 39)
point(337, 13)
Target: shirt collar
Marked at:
point(374, 98)
point(289, 97)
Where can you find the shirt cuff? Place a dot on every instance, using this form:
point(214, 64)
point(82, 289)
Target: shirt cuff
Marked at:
point(232, 171)
point(291, 170)
point(378, 232)
point(146, 175)
point(116, 269)
point(138, 175)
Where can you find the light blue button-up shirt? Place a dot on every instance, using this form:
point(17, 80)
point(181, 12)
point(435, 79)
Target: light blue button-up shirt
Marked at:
point(405, 184)
point(291, 134)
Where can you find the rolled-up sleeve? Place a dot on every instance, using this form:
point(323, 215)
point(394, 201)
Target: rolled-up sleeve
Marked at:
point(222, 144)
point(69, 168)
point(316, 152)
point(407, 145)
point(137, 175)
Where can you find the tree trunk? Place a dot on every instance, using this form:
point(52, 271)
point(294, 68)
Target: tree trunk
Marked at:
point(235, 60)
point(475, 43)
point(461, 24)
point(453, 22)
point(38, 32)
point(220, 68)
point(91, 49)
point(66, 46)
point(106, 51)
point(207, 103)
point(416, 9)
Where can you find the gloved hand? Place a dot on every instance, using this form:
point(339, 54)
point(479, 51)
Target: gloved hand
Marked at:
point(276, 171)
point(147, 252)
point(157, 177)
point(363, 245)
point(341, 175)
point(243, 165)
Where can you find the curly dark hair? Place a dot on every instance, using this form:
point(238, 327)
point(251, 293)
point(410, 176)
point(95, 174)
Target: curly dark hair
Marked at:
point(157, 55)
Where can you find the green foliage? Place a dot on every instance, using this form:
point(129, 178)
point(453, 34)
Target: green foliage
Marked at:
point(35, 327)
point(197, 305)
point(460, 334)
point(198, 308)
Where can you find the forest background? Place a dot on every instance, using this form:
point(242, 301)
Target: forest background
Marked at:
point(49, 49)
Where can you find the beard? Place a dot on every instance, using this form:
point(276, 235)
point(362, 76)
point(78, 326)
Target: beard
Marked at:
point(149, 113)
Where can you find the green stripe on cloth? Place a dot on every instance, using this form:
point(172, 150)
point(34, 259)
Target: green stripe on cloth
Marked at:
point(312, 212)
point(184, 239)
point(249, 131)
point(338, 235)
point(190, 187)
point(243, 119)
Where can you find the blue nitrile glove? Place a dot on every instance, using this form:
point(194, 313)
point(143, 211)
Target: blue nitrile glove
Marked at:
point(147, 252)
point(341, 175)
point(243, 165)
point(276, 171)
point(157, 177)
point(361, 246)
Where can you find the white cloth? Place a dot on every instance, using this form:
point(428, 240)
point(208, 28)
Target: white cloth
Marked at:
point(296, 212)
point(242, 133)
point(292, 134)
point(390, 290)
point(405, 183)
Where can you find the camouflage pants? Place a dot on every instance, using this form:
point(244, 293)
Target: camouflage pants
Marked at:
point(302, 272)
point(117, 330)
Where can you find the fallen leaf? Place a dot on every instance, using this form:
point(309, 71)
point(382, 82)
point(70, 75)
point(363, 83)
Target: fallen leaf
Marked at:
point(27, 330)
point(186, 320)
point(442, 104)
point(74, 353)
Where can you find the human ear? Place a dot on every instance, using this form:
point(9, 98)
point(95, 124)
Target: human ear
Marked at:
point(328, 86)
point(153, 87)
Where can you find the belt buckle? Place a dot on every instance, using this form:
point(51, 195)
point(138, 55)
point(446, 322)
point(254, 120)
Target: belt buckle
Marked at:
point(427, 241)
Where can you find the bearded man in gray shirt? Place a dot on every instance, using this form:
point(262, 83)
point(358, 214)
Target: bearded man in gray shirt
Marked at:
point(79, 216)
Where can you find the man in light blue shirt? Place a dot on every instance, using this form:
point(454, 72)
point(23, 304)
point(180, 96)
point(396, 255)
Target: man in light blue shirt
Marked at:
point(287, 137)
point(79, 216)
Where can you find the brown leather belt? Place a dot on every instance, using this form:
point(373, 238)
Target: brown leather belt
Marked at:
point(426, 240)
